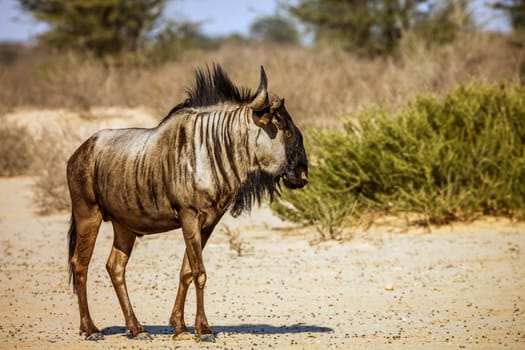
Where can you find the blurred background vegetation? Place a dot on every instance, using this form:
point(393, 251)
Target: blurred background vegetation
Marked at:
point(339, 54)
point(370, 27)
point(398, 84)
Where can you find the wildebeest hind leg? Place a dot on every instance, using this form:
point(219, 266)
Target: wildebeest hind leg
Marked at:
point(87, 221)
point(122, 245)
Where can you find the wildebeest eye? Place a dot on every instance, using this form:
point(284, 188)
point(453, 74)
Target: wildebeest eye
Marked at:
point(288, 133)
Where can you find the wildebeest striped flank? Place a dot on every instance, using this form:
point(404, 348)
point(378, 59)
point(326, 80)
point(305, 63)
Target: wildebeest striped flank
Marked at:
point(223, 147)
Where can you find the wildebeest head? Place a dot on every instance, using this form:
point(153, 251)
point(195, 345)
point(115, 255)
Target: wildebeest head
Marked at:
point(279, 147)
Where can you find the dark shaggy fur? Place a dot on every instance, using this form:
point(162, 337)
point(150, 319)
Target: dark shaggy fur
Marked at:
point(213, 86)
point(257, 186)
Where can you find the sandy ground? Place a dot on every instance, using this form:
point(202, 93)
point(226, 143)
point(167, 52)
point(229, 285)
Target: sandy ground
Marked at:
point(457, 287)
point(461, 286)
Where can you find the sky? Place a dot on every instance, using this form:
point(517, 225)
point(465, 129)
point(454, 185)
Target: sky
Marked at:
point(218, 17)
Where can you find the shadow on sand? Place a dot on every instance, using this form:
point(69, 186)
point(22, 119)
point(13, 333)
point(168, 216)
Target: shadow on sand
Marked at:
point(241, 329)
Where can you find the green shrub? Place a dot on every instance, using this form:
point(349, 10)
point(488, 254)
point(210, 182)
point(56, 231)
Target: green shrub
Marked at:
point(445, 159)
point(16, 150)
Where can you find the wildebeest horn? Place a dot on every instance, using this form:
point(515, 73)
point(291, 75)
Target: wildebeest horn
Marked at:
point(261, 98)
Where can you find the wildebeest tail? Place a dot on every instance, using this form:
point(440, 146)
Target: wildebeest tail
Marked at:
point(72, 242)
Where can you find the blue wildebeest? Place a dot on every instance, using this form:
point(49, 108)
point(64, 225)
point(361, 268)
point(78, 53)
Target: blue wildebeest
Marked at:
point(223, 147)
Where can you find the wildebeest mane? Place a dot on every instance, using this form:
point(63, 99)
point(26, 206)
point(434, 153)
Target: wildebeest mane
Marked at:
point(213, 86)
point(258, 185)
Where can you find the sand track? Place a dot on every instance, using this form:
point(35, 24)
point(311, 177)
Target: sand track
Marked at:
point(458, 287)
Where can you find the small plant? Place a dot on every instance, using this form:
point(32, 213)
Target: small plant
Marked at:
point(236, 244)
point(16, 150)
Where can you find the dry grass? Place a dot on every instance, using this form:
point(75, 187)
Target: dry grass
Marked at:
point(42, 155)
point(50, 189)
point(16, 150)
point(317, 84)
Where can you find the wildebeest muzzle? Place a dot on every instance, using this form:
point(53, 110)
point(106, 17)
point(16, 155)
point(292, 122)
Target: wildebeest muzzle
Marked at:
point(296, 178)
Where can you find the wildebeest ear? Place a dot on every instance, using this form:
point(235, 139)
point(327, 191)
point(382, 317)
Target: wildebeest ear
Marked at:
point(260, 101)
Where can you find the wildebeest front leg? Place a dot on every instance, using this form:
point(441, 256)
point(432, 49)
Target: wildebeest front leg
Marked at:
point(191, 229)
point(122, 245)
point(185, 279)
point(177, 314)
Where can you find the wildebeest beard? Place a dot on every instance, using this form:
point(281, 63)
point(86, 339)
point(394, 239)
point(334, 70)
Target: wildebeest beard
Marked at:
point(258, 185)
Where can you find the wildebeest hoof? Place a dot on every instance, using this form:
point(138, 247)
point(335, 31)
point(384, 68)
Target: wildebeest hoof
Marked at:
point(205, 338)
point(143, 336)
point(95, 336)
point(182, 336)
